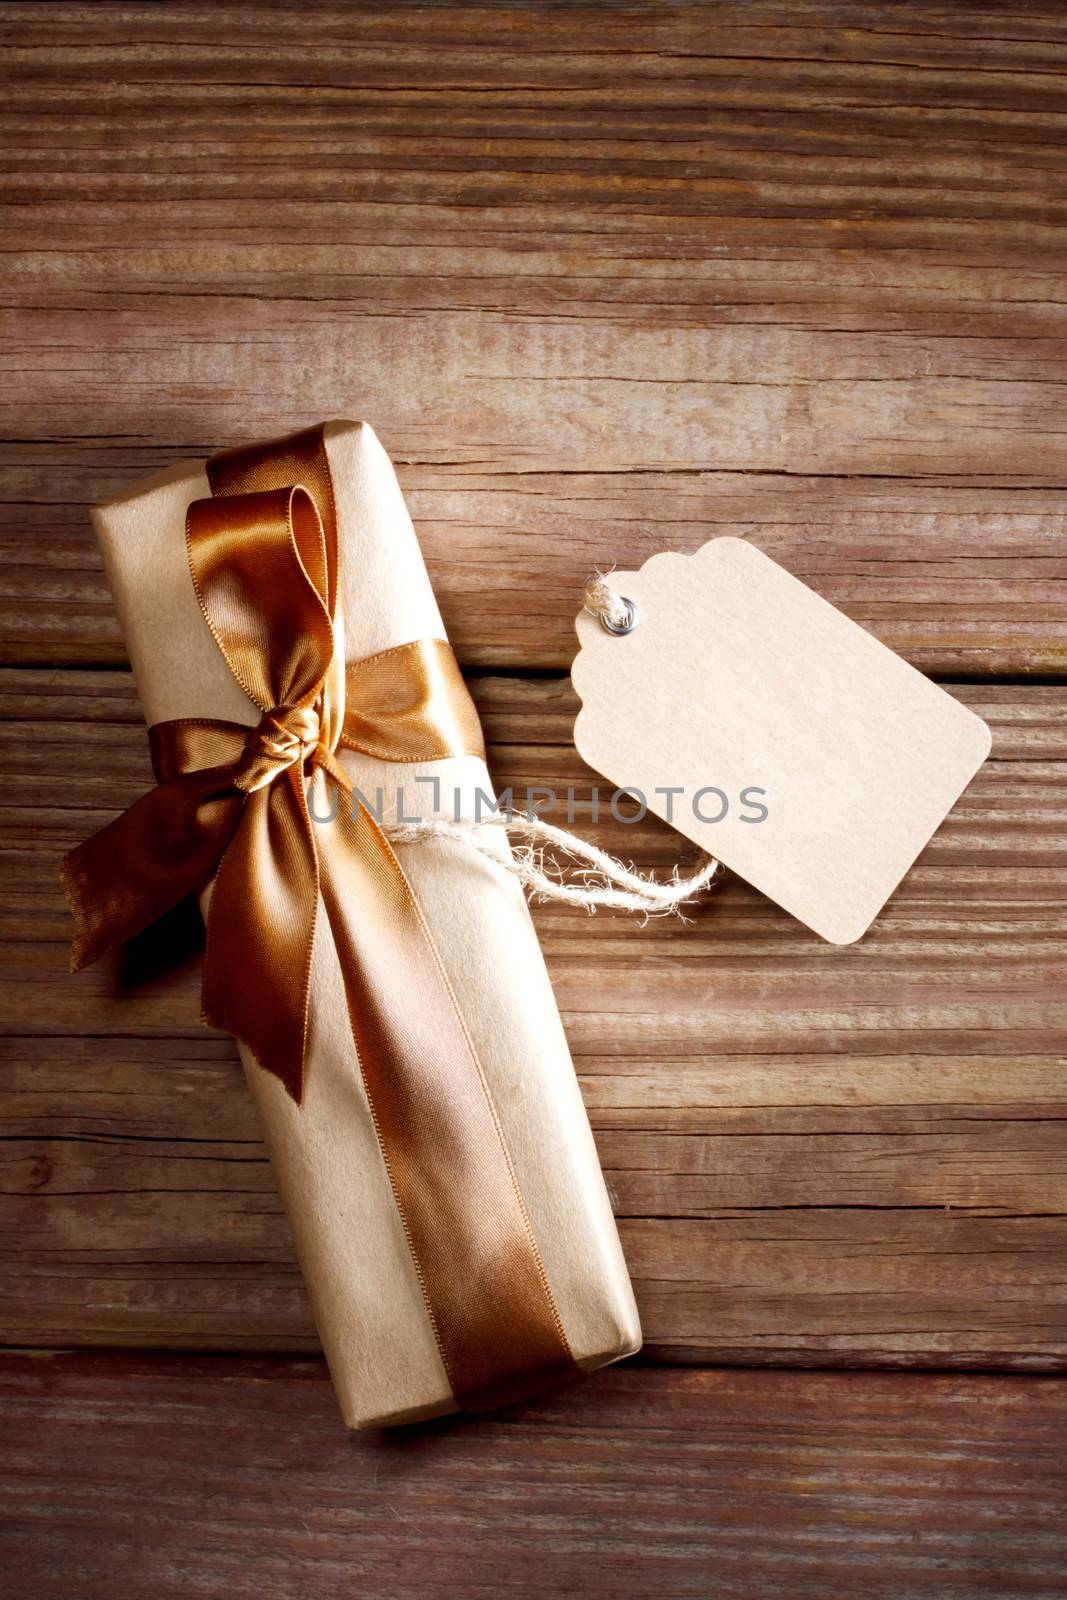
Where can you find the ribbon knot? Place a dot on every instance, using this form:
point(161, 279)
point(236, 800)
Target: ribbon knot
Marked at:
point(284, 737)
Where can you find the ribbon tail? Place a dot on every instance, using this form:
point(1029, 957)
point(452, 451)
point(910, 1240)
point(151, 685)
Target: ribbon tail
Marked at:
point(497, 1325)
point(166, 846)
point(261, 931)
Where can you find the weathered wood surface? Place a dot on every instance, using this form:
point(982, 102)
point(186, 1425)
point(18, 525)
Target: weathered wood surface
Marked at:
point(606, 280)
point(817, 1154)
point(153, 1478)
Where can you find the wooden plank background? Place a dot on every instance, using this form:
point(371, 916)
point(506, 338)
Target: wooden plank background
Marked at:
point(606, 280)
point(212, 1477)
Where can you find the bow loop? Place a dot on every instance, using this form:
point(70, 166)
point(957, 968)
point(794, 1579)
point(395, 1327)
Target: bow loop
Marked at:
point(262, 576)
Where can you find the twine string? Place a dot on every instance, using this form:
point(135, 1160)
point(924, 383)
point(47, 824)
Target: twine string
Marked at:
point(550, 862)
point(596, 878)
point(601, 601)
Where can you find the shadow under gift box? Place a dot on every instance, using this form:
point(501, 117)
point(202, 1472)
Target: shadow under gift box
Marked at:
point(358, 1268)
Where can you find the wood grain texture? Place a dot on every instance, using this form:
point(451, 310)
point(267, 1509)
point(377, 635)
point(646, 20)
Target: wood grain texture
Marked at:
point(155, 1478)
point(605, 280)
point(817, 1154)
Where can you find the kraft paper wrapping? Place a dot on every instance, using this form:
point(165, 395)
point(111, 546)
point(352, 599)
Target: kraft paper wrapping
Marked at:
point(360, 1277)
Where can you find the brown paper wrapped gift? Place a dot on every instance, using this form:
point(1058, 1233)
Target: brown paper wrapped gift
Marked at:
point(360, 1264)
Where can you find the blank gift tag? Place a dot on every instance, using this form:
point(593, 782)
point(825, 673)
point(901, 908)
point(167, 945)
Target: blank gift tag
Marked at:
point(772, 731)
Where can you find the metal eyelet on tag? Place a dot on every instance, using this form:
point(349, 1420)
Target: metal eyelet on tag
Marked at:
point(628, 624)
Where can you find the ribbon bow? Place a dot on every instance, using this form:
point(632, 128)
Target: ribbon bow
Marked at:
point(231, 809)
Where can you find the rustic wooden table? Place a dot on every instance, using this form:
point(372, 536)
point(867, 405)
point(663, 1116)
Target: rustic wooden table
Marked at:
point(606, 280)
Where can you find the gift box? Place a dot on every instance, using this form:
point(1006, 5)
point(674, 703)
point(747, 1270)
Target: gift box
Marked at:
point(414, 1085)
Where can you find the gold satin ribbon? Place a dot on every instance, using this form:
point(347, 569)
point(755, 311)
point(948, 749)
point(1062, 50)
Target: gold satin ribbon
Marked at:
point(230, 809)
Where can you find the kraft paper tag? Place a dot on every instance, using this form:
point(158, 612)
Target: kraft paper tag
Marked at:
point(772, 731)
